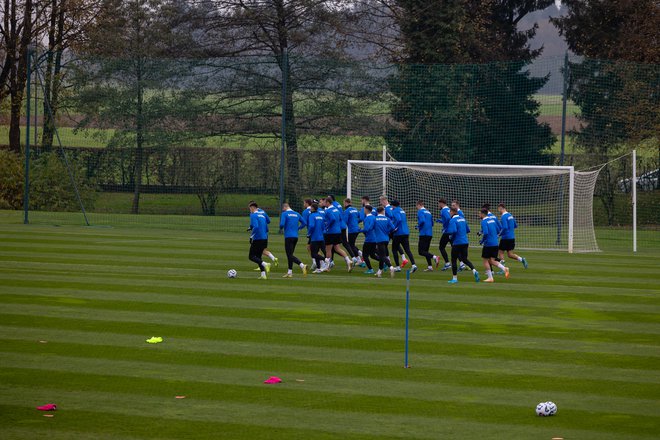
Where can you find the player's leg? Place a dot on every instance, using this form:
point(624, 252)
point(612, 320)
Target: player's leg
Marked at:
point(367, 250)
point(405, 244)
point(346, 244)
point(318, 246)
point(487, 253)
point(463, 256)
point(505, 270)
point(352, 237)
point(382, 252)
point(256, 250)
point(423, 249)
point(270, 255)
point(509, 245)
point(444, 240)
point(396, 244)
point(454, 265)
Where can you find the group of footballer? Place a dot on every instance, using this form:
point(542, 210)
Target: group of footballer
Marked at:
point(333, 230)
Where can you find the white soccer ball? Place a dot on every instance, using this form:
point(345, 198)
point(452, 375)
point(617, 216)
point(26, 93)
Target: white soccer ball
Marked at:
point(231, 273)
point(551, 407)
point(546, 409)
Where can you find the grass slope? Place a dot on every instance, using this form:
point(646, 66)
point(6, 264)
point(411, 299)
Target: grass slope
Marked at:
point(581, 330)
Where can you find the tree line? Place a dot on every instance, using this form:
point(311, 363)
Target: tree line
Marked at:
point(452, 73)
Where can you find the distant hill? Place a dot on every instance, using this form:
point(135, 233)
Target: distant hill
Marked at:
point(554, 48)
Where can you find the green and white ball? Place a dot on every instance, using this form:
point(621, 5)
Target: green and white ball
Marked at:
point(231, 273)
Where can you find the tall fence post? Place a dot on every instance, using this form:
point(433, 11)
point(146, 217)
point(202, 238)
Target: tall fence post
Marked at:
point(26, 192)
point(285, 62)
point(564, 100)
point(634, 198)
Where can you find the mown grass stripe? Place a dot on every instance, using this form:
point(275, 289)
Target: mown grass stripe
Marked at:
point(276, 406)
point(239, 385)
point(24, 339)
point(362, 364)
point(330, 314)
point(273, 330)
point(164, 285)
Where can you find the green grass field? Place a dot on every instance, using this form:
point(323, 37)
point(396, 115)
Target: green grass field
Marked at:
point(77, 303)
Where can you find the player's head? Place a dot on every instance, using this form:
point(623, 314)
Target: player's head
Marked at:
point(453, 210)
point(383, 200)
point(322, 202)
point(368, 208)
point(501, 207)
point(331, 198)
point(395, 203)
point(314, 207)
point(365, 200)
point(380, 210)
point(307, 203)
point(420, 204)
point(285, 206)
point(252, 206)
point(442, 203)
point(483, 213)
point(455, 204)
point(347, 202)
point(486, 206)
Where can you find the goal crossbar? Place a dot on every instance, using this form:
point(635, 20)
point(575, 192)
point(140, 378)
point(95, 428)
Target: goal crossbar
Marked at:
point(563, 185)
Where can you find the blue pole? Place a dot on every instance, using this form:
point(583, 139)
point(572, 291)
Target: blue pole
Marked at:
point(406, 365)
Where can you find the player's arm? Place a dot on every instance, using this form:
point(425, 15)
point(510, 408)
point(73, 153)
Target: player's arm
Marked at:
point(451, 229)
point(254, 224)
point(505, 226)
point(282, 220)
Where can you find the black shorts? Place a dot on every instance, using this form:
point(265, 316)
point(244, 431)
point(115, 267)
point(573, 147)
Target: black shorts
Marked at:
point(489, 252)
point(332, 239)
point(507, 244)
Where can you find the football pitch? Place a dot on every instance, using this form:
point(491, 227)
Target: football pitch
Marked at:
point(78, 303)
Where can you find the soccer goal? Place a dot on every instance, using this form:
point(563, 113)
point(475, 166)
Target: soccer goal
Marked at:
point(553, 205)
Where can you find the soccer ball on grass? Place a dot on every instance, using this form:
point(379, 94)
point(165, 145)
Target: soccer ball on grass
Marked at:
point(546, 409)
point(231, 273)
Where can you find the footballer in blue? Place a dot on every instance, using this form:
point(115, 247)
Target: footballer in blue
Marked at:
point(401, 237)
point(458, 230)
point(258, 238)
point(508, 235)
point(291, 222)
point(425, 226)
point(489, 240)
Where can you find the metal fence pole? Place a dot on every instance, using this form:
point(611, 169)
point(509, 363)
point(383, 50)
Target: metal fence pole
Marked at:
point(26, 192)
point(285, 62)
point(564, 99)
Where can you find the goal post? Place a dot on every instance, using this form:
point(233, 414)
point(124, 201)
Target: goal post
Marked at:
point(553, 205)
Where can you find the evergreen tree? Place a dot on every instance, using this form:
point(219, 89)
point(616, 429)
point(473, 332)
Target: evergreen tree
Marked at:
point(472, 101)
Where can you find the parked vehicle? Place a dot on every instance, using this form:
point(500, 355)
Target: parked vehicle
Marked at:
point(645, 182)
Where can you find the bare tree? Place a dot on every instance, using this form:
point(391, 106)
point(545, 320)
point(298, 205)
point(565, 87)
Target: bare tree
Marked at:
point(66, 22)
point(295, 35)
point(20, 23)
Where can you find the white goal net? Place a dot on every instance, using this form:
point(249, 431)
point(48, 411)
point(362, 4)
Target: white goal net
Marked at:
point(553, 205)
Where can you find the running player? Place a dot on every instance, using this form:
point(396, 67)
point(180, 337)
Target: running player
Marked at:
point(315, 228)
point(444, 219)
point(289, 222)
point(401, 237)
point(333, 234)
point(508, 237)
point(351, 218)
point(458, 230)
point(489, 238)
point(384, 227)
point(369, 246)
point(425, 226)
point(258, 238)
point(267, 252)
